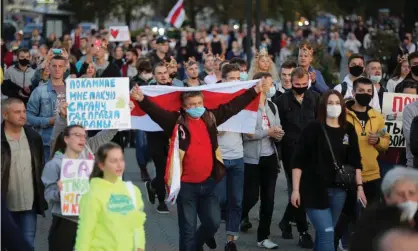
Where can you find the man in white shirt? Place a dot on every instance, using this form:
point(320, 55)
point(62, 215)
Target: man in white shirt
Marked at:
point(356, 69)
point(230, 188)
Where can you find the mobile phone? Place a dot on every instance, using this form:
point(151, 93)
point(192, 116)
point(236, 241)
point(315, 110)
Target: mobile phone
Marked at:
point(362, 203)
point(57, 51)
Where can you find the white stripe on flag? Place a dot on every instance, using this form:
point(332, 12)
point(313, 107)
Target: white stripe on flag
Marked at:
point(230, 87)
point(243, 122)
point(176, 174)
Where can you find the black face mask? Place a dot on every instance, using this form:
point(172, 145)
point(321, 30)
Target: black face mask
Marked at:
point(356, 71)
point(24, 62)
point(414, 70)
point(299, 90)
point(363, 99)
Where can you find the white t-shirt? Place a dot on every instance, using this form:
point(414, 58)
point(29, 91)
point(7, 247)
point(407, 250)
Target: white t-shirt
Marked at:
point(266, 145)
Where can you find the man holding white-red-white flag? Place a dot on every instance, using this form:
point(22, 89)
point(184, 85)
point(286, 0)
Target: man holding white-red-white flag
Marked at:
point(194, 164)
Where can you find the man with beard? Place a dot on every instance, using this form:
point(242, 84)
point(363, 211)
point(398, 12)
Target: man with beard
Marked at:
point(192, 71)
point(172, 71)
point(129, 69)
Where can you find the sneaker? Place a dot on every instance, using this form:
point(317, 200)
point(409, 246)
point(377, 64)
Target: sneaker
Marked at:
point(341, 246)
point(268, 244)
point(211, 243)
point(144, 175)
point(230, 246)
point(150, 192)
point(162, 208)
point(246, 225)
point(305, 241)
point(286, 230)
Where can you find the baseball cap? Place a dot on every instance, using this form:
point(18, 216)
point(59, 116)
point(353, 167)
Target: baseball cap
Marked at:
point(162, 40)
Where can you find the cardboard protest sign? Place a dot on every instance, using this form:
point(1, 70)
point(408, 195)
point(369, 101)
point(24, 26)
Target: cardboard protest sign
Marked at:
point(119, 34)
point(75, 175)
point(392, 108)
point(98, 103)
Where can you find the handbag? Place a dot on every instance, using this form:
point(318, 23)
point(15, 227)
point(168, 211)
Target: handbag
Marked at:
point(345, 175)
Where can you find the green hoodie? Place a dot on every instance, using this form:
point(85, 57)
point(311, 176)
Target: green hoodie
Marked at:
point(108, 220)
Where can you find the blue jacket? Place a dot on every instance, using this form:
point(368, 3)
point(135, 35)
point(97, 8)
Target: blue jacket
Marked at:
point(40, 108)
point(319, 86)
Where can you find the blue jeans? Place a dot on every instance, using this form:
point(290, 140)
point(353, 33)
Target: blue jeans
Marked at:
point(230, 191)
point(47, 153)
point(324, 220)
point(26, 221)
point(142, 154)
point(197, 199)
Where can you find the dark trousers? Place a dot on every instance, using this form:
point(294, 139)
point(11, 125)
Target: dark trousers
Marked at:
point(197, 199)
point(159, 156)
point(291, 212)
point(352, 209)
point(62, 234)
point(260, 181)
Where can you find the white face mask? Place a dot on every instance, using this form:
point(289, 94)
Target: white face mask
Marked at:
point(106, 56)
point(146, 76)
point(409, 208)
point(375, 79)
point(172, 45)
point(271, 92)
point(333, 111)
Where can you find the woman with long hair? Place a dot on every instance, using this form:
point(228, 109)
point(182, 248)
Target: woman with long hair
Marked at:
point(71, 143)
point(262, 62)
point(401, 71)
point(315, 166)
point(111, 212)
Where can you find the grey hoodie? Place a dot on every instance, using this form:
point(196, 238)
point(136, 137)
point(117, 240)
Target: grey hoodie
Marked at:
point(52, 171)
point(19, 77)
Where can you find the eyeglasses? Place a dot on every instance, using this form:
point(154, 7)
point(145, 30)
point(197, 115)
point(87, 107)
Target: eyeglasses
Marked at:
point(78, 135)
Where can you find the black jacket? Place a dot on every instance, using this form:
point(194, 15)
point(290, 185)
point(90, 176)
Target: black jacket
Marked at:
point(294, 117)
point(37, 155)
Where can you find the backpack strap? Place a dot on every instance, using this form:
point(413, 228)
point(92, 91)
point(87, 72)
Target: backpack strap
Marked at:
point(272, 107)
point(344, 87)
point(131, 191)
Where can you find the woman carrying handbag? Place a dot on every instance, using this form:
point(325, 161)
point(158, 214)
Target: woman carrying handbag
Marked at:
point(326, 164)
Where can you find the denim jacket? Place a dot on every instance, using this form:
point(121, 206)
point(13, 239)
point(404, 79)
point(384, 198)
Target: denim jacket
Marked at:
point(40, 108)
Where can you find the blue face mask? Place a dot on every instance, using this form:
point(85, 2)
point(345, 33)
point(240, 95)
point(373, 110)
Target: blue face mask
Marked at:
point(271, 92)
point(243, 76)
point(196, 112)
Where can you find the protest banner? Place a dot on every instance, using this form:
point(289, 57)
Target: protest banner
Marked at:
point(392, 108)
point(119, 34)
point(98, 103)
point(75, 175)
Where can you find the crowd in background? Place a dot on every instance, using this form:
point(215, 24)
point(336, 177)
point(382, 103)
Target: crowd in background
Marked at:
point(307, 126)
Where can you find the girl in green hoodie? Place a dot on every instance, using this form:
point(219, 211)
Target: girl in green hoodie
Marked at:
point(111, 212)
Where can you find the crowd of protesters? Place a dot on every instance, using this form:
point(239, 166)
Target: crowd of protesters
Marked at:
point(311, 129)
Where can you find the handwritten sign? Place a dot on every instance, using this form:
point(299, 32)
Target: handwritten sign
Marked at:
point(75, 175)
point(119, 34)
point(98, 103)
point(393, 105)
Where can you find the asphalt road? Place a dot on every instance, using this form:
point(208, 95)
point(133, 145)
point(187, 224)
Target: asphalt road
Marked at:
point(162, 231)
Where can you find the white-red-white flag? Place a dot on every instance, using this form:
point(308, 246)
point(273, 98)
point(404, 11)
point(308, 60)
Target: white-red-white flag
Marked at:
point(168, 98)
point(176, 15)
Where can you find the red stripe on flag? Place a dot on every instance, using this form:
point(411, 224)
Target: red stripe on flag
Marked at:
point(176, 14)
point(171, 101)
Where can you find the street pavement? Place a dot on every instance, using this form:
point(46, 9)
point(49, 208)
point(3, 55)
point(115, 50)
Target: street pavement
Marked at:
point(162, 230)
